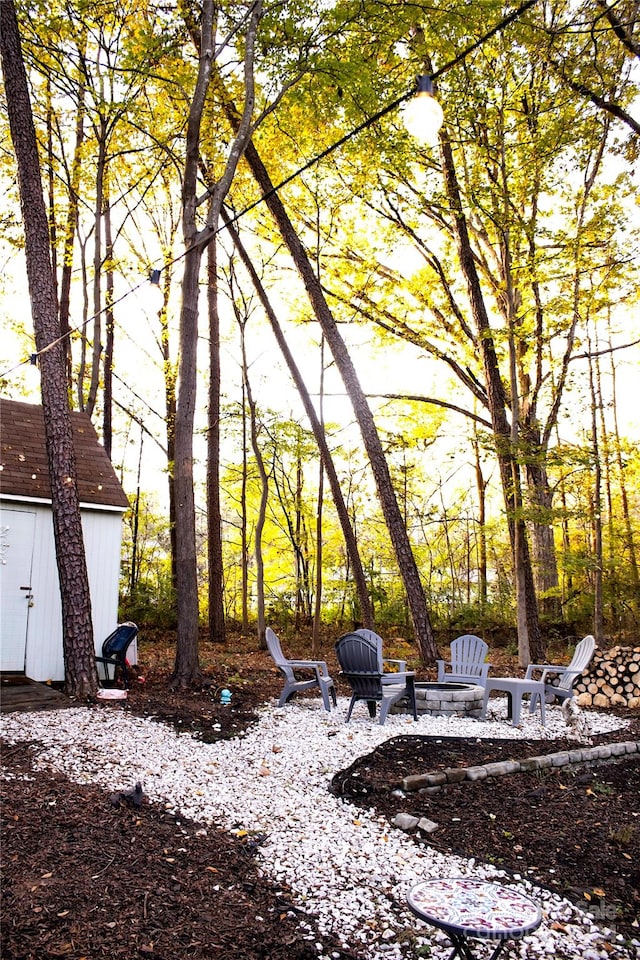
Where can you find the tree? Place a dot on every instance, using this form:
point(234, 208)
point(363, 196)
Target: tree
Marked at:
point(187, 666)
point(397, 531)
point(81, 678)
point(366, 611)
point(214, 512)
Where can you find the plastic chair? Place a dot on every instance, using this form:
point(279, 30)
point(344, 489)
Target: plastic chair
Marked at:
point(361, 661)
point(114, 651)
point(294, 684)
point(399, 666)
point(563, 688)
point(467, 663)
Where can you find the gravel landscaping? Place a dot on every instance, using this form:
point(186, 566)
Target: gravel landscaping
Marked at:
point(345, 867)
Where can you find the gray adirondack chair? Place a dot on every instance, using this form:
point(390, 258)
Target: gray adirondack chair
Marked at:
point(563, 689)
point(295, 684)
point(363, 666)
point(468, 661)
point(385, 664)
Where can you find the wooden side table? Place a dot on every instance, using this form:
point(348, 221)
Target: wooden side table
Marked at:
point(466, 908)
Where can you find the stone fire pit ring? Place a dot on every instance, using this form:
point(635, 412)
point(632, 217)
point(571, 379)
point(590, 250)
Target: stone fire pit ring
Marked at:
point(445, 699)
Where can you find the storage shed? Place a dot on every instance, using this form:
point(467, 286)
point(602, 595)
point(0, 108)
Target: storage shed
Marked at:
point(30, 609)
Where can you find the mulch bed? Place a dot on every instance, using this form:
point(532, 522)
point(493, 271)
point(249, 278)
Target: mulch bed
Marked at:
point(575, 830)
point(86, 875)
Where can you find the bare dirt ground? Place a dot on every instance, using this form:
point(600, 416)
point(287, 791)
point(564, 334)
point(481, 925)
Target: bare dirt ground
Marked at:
point(87, 878)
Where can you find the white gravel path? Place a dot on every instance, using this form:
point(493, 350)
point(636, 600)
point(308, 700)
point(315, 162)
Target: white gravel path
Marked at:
point(347, 867)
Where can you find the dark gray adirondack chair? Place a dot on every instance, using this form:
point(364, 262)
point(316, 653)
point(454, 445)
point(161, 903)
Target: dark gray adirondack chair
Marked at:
point(563, 688)
point(467, 662)
point(114, 651)
point(294, 684)
point(362, 664)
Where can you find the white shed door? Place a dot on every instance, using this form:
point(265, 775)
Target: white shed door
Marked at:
point(17, 528)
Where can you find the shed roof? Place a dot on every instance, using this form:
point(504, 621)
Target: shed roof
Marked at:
point(24, 470)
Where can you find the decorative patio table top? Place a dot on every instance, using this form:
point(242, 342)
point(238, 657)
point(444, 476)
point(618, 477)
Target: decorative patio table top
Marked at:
point(463, 907)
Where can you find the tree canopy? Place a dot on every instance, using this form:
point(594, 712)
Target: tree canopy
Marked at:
point(445, 332)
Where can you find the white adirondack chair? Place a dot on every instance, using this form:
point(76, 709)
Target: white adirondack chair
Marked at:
point(563, 688)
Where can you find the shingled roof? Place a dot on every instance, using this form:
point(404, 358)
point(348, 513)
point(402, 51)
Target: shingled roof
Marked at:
point(24, 470)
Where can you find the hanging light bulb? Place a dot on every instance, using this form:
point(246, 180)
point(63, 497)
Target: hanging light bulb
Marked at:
point(423, 114)
point(154, 294)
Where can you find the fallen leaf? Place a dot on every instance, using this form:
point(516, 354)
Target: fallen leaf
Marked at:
point(599, 892)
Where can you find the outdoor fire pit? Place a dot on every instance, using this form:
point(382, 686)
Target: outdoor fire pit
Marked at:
point(446, 699)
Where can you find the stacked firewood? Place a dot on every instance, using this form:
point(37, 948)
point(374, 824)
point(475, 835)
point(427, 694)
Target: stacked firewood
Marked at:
point(612, 679)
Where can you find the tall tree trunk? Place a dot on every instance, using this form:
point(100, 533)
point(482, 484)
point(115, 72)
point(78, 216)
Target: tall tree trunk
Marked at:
point(70, 232)
point(81, 678)
point(543, 542)
point(107, 413)
point(264, 494)
point(101, 169)
point(366, 609)
point(244, 523)
point(397, 532)
point(53, 240)
point(626, 514)
point(605, 461)
point(187, 665)
point(170, 375)
point(302, 567)
point(135, 526)
point(481, 486)
point(317, 608)
point(214, 513)
point(596, 515)
point(530, 642)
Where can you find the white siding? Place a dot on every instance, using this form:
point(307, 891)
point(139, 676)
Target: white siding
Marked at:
point(102, 532)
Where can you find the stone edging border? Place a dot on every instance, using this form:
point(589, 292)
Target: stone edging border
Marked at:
point(432, 782)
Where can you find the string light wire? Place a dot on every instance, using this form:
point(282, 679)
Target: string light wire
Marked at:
point(210, 234)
